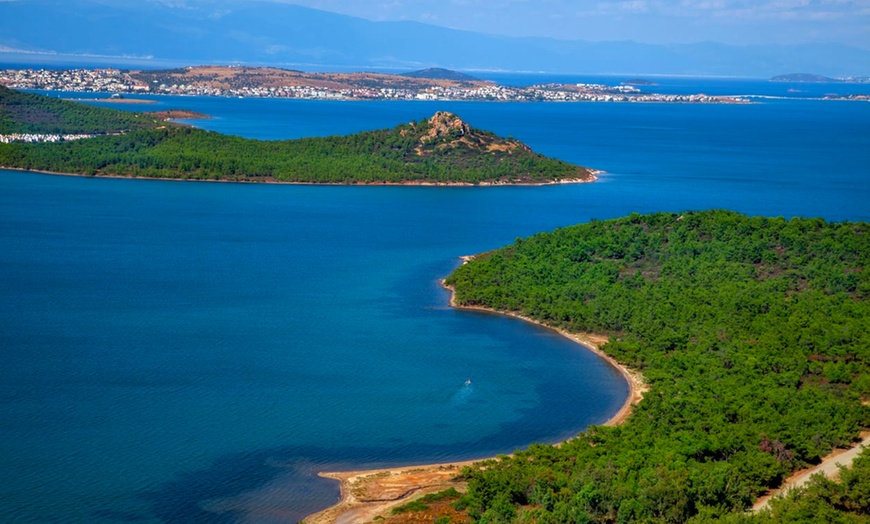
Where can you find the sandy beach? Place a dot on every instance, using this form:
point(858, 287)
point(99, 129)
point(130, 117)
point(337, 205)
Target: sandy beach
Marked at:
point(366, 495)
point(117, 100)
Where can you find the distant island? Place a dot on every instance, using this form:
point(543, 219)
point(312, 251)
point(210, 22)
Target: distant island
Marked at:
point(48, 134)
point(819, 79)
point(638, 82)
point(270, 82)
point(439, 73)
point(854, 97)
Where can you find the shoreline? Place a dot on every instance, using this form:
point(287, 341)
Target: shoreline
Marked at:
point(145, 101)
point(589, 341)
point(366, 494)
point(593, 176)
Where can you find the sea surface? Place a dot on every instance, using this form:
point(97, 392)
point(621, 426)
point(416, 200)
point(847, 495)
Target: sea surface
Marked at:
point(179, 352)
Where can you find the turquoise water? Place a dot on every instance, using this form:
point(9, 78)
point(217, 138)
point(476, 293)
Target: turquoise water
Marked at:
point(192, 352)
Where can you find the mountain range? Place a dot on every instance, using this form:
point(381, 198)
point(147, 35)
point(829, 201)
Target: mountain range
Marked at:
point(161, 33)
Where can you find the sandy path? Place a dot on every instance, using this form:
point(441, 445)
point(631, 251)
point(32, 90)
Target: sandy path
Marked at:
point(829, 467)
point(367, 494)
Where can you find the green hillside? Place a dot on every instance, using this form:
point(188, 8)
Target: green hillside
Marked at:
point(752, 333)
point(31, 113)
point(441, 149)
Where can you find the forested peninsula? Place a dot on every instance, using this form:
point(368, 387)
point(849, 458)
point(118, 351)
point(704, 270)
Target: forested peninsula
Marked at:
point(440, 150)
point(753, 335)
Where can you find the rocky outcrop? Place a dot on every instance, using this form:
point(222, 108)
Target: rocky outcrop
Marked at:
point(444, 124)
point(445, 130)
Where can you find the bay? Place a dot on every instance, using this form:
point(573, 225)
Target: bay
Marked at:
point(175, 349)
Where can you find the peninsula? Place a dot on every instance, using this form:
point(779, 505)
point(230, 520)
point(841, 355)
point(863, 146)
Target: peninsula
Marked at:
point(270, 82)
point(750, 336)
point(47, 134)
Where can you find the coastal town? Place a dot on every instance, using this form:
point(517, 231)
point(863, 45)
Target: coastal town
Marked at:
point(245, 82)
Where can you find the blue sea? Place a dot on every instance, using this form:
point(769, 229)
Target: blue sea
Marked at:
point(179, 352)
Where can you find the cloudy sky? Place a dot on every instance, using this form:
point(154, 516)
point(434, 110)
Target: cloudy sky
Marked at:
point(652, 21)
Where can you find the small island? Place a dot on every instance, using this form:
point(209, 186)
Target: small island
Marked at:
point(59, 136)
point(638, 82)
point(439, 73)
point(810, 78)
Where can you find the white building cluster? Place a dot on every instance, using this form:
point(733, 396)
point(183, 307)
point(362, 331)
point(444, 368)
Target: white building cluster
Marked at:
point(116, 81)
point(37, 137)
point(85, 80)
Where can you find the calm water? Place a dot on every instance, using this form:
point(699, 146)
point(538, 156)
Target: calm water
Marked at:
point(192, 352)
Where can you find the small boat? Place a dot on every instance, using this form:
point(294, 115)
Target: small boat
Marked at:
point(468, 382)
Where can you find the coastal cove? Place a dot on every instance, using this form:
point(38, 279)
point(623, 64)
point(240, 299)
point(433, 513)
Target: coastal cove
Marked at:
point(369, 494)
point(220, 300)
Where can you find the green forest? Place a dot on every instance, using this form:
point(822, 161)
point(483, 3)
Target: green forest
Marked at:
point(442, 149)
point(753, 335)
point(31, 113)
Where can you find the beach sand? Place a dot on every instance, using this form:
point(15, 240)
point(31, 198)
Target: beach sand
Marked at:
point(592, 178)
point(117, 100)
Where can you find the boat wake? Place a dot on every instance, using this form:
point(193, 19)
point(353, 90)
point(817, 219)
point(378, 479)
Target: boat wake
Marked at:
point(463, 394)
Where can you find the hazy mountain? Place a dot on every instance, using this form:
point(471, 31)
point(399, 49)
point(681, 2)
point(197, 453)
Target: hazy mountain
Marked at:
point(254, 32)
point(439, 73)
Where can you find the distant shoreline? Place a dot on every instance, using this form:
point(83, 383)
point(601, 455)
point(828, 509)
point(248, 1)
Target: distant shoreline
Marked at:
point(366, 494)
point(116, 100)
point(593, 176)
point(271, 82)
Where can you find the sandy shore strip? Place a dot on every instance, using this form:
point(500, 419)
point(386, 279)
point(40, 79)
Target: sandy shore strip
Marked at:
point(410, 183)
point(368, 494)
point(115, 100)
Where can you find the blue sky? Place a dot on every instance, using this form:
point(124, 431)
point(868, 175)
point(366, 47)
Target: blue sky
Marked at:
point(651, 21)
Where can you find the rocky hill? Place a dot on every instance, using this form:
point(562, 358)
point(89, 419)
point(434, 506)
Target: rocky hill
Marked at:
point(446, 131)
point(439, 73)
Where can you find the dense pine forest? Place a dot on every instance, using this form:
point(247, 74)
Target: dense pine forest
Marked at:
point(754, 337)
point(441, 149)
point(31, 113)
